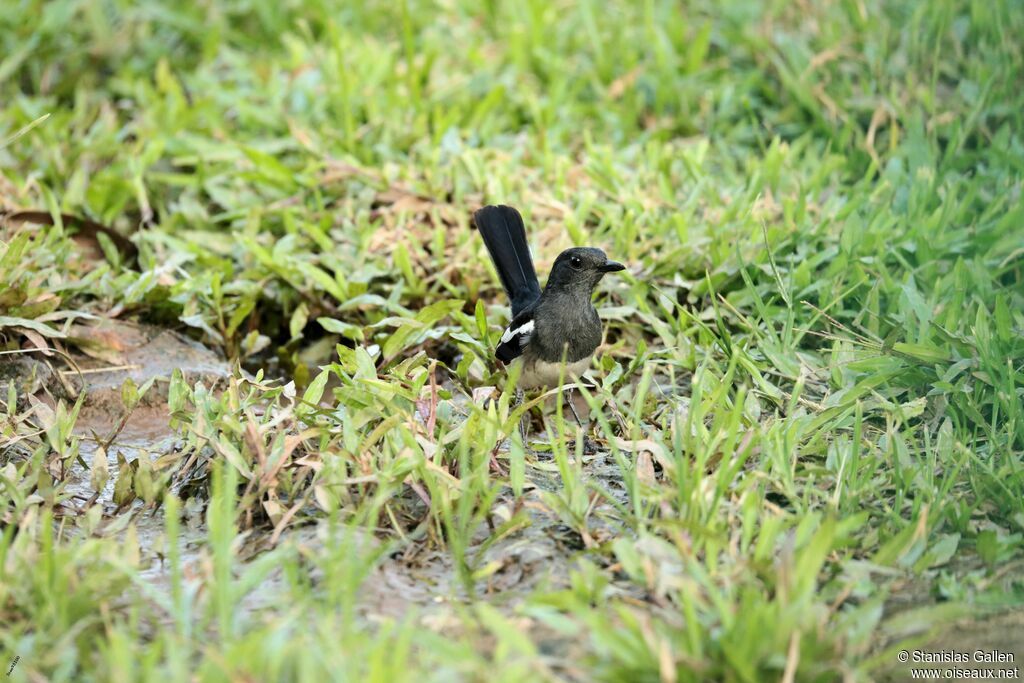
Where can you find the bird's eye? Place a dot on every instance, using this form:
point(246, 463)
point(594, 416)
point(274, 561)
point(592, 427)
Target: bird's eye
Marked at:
point(576, 262)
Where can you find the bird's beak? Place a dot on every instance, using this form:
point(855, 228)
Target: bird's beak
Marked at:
point(611, 267)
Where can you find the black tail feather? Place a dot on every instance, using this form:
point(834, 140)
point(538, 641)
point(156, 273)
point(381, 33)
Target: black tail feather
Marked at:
point(505, 236)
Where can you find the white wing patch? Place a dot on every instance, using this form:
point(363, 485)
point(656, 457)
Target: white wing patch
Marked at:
point(526, 329)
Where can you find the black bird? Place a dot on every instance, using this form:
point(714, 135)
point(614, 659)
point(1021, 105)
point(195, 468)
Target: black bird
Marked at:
point(553, 331)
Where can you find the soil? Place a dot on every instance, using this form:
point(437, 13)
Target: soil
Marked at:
point(417, 575)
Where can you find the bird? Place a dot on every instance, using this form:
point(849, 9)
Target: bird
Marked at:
point(554, 332)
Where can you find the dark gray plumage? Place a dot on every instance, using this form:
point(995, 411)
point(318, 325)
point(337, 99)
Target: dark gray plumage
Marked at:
point(553, 332)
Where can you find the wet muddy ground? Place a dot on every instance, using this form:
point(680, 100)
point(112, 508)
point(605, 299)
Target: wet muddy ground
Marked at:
point(536, 556)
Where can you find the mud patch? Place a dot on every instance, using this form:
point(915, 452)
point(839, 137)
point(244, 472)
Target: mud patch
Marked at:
point(103, 357)
point(419, 573)
point(116, 351)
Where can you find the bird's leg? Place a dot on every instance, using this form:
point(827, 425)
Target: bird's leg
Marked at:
point(524, 420)
point(589, 447)
point(568, 399)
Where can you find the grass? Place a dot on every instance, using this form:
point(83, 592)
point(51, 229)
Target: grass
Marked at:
point(810, 394)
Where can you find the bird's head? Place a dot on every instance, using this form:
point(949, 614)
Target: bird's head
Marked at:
point(580, 268)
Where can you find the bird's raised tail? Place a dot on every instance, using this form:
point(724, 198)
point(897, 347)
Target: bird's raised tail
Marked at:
point(505, 236)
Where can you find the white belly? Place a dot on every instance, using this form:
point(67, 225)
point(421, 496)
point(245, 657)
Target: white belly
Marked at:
point(540, 374)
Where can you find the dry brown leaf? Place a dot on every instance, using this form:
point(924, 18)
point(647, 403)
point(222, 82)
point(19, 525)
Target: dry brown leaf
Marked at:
point(37, 340)
point(645, 468)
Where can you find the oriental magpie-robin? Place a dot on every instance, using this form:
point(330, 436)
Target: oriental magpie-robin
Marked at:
point(553, 332)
